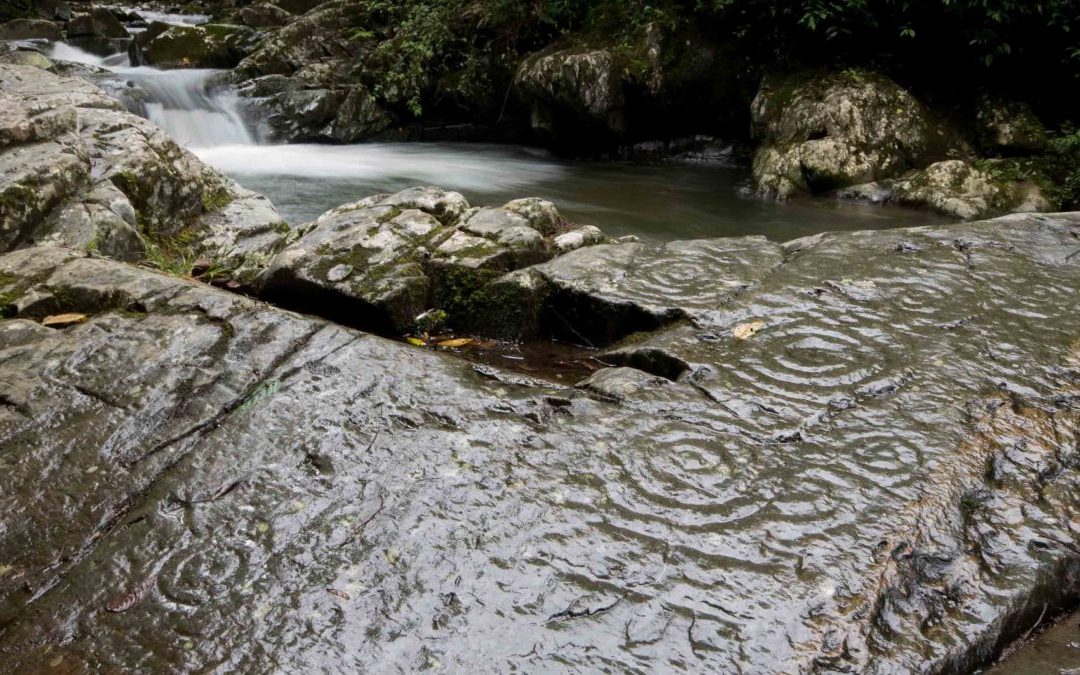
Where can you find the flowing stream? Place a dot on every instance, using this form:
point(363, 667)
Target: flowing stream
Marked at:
point(652, 200)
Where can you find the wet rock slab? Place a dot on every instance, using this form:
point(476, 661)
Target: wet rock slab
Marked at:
point(77, 170)
point(881, 478)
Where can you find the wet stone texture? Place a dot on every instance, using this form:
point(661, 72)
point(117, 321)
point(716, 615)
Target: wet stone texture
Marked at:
point(881, 476)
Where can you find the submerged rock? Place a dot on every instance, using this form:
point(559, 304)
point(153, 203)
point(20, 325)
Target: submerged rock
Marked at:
point(881, 478)
point(77, 170)
point(819, 132)
point(385, 260)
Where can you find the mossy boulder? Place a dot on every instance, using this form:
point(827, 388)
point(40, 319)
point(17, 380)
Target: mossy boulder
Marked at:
point(98, 22)
point(965, 190)
point(1010, 128)
point(822, 131)
point(207, 46)
point(384, 261)
point(78, 171)
point(264, 15)
point(30, 29)
point(590, 92)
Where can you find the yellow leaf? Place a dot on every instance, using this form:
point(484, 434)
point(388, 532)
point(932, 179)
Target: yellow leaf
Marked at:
point(458, 342)
point(417, 342)
point(745, 331)
point(61, 320)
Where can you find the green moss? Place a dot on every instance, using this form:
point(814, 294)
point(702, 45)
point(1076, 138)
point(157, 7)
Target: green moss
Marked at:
point(215, 200)
point(9, 295)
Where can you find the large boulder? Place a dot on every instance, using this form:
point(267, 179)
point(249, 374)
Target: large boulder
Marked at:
point(206, 46)
point(822, 131)
point(586, 97)
point(966, 190)
point(296, 113)
point(868, 465)
point(1010, 127)
point(311, 90)
point(77, 170)
point(98, 22)
point(383, 261)
point(30, 29)
point(264, 15)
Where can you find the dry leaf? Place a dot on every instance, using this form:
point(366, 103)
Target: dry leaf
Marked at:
point(126, 601)
point(745, 331)
point(458, 342)
point(341, 594)
point(61, 320)
point(416, 342)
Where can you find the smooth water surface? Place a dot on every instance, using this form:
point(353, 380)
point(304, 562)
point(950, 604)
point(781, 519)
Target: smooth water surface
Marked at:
point(657, 201)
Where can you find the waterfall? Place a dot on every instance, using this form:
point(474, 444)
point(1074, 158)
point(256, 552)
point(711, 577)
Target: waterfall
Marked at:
point(183, 102)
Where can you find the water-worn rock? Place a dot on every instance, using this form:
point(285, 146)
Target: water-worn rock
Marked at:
point(819, 132)
point(599, 294)
point(958, 188)
point(881, 479)
point(586, 97)
point(381, 262)
point(308, 90)
point(264, 15)
point(30, 29)
point(206, 46)
point(98, 22)
point(77, 170)
point(1011, 128)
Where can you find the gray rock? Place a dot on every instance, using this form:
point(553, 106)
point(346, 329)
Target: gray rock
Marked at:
point(881, 479)
point(77, 170)
point(598, 295)
point(959, 189)
point(264, 15)
point(822, 132)
point(30, 29)
point(97, 22)
point(1011, 128)
point(418, 250)
point(207, 46)
point(25, 57)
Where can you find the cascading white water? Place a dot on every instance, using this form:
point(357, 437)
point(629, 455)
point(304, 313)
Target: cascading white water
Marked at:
point(180, 101)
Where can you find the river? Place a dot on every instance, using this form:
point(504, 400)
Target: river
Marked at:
point(662, 201)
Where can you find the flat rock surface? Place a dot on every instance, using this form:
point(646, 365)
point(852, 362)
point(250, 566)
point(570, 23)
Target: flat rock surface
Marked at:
point(880, 477)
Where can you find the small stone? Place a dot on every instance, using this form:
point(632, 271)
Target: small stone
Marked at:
point(339, 273)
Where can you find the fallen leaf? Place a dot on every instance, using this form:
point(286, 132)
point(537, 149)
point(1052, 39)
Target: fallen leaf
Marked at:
point(745, 331)
point(341, 594)
point(62, 320)
point(125, 601)
point(458, 342)
point(416, 342)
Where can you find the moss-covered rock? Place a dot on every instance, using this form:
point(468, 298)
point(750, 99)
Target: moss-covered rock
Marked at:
point(78, 171)
point(822, 131)
point(207, 46)
point(97, 22)
point(1010, 128)
point(30, 29)
point(966, 190)
point(382, 262)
